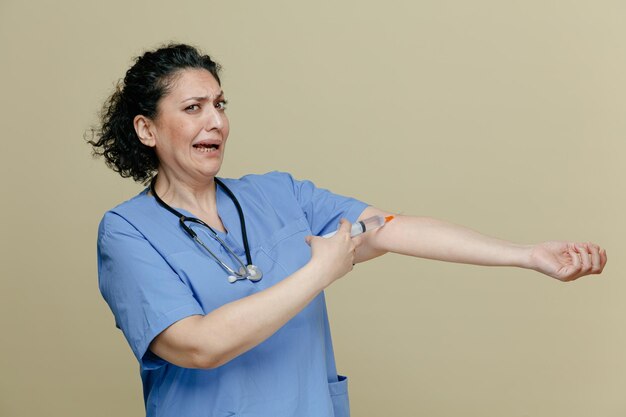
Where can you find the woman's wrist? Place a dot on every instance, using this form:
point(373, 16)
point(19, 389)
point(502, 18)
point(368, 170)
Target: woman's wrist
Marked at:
point(522, 257)
point(317, 273)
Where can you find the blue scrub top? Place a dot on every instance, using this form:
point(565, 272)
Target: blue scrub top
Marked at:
point(152, 274)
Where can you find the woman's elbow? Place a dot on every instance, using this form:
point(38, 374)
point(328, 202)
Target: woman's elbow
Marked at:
point(198, 358)
point(190, 356)
point(181, 344)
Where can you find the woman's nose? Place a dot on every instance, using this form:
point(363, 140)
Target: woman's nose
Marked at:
point(214, 120)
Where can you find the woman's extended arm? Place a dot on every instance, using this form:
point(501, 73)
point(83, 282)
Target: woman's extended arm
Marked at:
point(430, 238)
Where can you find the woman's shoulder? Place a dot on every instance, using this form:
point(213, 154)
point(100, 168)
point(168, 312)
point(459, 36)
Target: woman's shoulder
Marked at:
point(268, 177)
point(130, 211)
point(273, 181)
point(137, 202)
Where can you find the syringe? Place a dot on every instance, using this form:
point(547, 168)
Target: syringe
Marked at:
point(363, 226)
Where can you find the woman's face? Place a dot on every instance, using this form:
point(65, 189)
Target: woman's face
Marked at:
point(190, 129)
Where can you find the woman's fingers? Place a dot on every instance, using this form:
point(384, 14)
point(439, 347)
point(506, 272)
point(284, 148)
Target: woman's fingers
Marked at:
point(585, 258)
point(588, 258)
point(344, 226)
point(596, 259)
point(576, 261)
point(357, 240)
point(603, 257)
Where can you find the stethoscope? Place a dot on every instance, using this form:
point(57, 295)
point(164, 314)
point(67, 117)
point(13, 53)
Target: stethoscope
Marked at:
point(251, 271)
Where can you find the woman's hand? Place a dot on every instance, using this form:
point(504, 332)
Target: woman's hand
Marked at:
point(334, 257)
point(567, 261)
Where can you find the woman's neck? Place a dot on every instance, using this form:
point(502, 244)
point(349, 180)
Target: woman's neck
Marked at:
point(197, 197)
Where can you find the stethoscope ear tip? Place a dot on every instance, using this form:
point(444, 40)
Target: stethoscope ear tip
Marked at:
point(232, 278)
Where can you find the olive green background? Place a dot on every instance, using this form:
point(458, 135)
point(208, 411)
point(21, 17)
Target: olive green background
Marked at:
point(505, 116)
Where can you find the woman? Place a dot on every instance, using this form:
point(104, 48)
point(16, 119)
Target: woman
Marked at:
point(218, 284)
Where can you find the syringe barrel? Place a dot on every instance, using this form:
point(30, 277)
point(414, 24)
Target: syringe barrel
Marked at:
point(368, 224)
point(363, 226)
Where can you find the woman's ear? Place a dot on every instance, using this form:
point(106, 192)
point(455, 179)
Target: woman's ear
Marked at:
point(143, 129)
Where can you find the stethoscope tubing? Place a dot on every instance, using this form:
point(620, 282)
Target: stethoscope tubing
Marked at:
point(244, 271)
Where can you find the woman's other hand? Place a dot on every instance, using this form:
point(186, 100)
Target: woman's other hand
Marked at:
point(334, 257)
point(567, 261)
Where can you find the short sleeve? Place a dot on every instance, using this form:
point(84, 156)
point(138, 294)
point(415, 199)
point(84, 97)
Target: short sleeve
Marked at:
point(144, 293)
point(323, 208)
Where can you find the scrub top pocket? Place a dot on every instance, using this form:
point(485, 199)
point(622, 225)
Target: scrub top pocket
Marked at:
point(339, 395)
point(287, 247)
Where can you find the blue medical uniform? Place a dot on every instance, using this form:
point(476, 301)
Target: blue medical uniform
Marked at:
point(152, 274)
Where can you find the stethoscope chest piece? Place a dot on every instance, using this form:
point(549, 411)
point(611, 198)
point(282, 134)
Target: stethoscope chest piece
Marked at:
point(252, 273)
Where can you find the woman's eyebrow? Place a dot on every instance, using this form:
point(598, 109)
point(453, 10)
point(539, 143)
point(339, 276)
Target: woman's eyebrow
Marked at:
point(204, 98)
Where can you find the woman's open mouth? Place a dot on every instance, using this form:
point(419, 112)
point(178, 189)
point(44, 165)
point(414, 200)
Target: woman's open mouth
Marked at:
point(207, 147)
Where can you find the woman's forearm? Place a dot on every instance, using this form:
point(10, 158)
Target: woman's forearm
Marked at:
point(430, 238)
point(213, 339)
point(245, 323)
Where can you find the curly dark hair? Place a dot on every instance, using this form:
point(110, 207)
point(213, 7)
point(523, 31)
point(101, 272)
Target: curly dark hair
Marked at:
point(145, 83)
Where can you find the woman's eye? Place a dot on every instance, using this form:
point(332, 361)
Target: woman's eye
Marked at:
point(193, 107)
point(221, 105)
